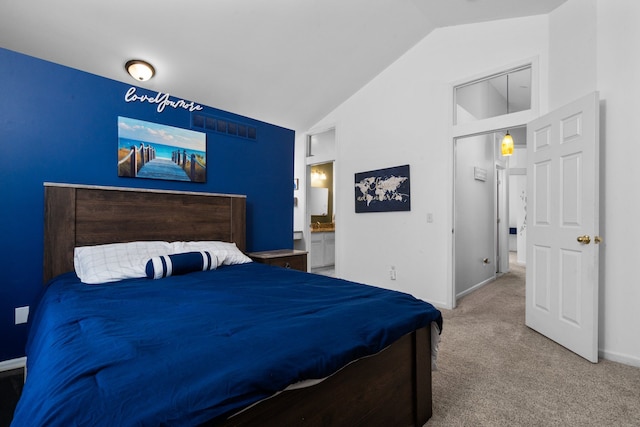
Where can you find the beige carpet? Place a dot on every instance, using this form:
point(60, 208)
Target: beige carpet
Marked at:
point(494, 371)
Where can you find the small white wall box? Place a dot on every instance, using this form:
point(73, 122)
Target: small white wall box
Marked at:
point(479, 174)
point(22, 314)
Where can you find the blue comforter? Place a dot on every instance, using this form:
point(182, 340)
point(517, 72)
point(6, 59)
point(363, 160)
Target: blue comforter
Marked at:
point(186, 349)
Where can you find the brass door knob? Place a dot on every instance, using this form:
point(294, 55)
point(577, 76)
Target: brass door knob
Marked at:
point(584, 239)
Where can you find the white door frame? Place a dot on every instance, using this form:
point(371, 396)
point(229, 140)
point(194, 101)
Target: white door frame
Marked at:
point(327, 157)
point(504, 252)
point(492, 124)
point(502, 213)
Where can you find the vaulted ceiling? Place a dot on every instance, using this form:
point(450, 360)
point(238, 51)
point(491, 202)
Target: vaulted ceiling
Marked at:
point(287, 62)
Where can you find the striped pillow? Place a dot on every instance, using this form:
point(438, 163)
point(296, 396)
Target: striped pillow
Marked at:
point(171, 265)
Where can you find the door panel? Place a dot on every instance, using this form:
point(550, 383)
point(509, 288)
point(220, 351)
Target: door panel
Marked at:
point(562, 273)
point(570, 297)
point(571, 206)
point(542, 178)
point(541, 267)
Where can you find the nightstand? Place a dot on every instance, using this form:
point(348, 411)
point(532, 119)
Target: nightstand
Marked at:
point(287, 258)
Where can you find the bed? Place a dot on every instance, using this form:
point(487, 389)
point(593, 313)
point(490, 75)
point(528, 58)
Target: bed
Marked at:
point(166, 352)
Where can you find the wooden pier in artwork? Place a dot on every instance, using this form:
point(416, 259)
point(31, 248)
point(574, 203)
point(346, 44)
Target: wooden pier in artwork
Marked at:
point(142, 162)
point(163, 169)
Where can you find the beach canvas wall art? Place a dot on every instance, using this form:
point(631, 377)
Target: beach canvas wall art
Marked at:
point(155, 151)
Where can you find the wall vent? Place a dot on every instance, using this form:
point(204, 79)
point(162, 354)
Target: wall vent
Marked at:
point(227, 127)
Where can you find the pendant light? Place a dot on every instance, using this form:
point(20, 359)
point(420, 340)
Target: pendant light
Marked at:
point(507, 145)
point(507, 141)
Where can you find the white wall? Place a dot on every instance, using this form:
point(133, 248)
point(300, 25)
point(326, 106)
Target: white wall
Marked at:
point(404, 116)
point(595, 45)
point(572, 58)
point(618, 51)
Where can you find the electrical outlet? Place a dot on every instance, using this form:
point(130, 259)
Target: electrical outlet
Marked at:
point(429, 217)
point(392, 273)
point(22, 314)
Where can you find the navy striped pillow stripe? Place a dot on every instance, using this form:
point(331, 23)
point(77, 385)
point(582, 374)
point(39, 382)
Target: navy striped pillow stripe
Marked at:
point(171, 265)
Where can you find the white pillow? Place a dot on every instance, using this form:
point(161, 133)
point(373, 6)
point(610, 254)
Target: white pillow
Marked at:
point(227, 253)
point(116, 261)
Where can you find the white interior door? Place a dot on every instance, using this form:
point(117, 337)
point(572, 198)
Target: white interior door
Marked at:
point(562, 250)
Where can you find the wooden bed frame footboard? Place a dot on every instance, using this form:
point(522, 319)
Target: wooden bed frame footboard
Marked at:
point(392, 387)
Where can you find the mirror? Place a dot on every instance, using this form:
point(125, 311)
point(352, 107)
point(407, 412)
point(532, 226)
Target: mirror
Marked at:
point(319, 201)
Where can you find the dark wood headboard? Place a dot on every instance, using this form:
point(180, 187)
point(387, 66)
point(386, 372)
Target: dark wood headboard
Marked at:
point(77, 215)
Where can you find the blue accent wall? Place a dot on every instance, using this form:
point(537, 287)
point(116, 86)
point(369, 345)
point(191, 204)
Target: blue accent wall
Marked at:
point(58, 124)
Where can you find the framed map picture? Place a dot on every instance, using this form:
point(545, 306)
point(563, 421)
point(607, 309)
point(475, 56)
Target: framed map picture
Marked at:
point(383, 190)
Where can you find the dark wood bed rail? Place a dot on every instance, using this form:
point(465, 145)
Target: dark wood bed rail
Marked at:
point(391, 388)
point(91, 215)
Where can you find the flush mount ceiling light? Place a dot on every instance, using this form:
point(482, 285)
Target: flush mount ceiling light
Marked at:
point(139, 70)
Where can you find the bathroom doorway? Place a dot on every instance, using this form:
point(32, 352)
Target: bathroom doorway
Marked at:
point(322, 219)
point(321, 202)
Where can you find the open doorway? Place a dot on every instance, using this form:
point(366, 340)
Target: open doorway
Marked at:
point(517, 193)
point(322, 219)
point(489, 214)
point(321, 202)
point(485, 109)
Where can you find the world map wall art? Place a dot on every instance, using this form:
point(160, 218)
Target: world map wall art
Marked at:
point(155, 151)
point(383, 190)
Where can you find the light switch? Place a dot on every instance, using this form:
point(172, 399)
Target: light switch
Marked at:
point(22, 314)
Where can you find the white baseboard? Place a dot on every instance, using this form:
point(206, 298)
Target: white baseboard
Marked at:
point(475, 287)
point(625, 359)
point(440, 305)
point(8, 365)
